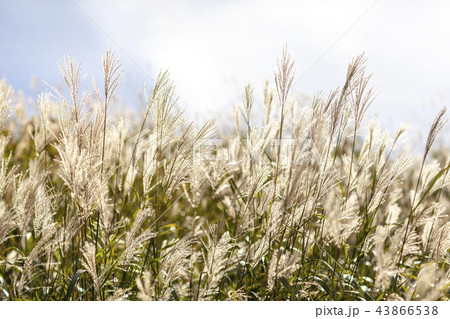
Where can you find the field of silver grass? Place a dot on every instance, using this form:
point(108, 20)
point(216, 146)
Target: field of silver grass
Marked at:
point(313, 202)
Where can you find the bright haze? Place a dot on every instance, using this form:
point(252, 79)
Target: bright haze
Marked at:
point(214, 48)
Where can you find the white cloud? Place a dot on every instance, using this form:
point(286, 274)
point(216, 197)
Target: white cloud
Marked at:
point(214, 48)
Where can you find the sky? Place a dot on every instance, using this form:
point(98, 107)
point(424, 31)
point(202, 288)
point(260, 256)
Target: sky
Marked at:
point(213, 48)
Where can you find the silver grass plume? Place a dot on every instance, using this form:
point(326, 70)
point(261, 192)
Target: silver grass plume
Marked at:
point(215, 258)
point(35, 255)
point(430, 283)
point(145, 287)
point(282, 264)
point(7, 222)
point(134, 240)
point(443, 242)
point(174, 263)
point(6, 95)
point(90, 264)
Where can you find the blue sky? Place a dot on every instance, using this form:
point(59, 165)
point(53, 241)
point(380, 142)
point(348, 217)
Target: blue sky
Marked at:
point(213, 48)
point(35, 35)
